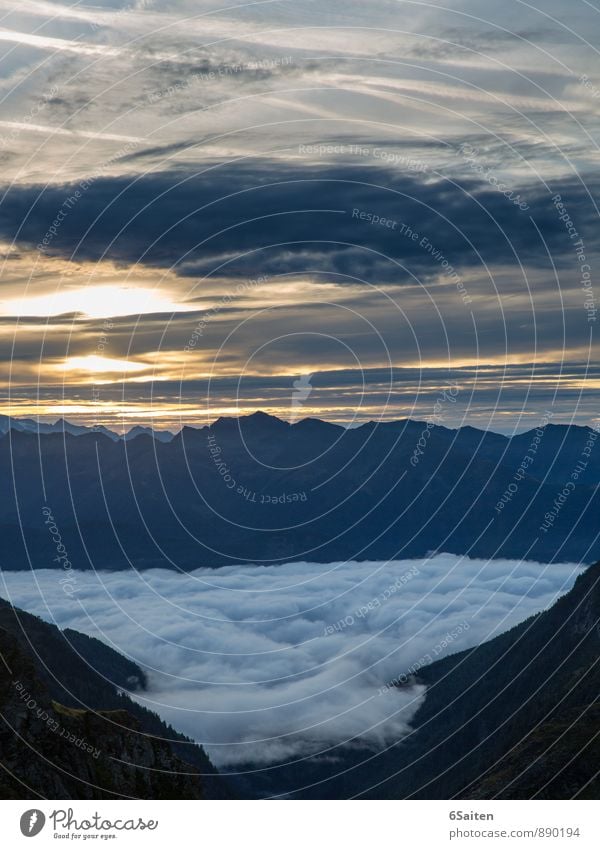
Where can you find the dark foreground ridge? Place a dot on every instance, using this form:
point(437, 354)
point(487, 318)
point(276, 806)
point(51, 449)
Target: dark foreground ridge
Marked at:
point(519, 716)
point(258, 489)
point(68, 732)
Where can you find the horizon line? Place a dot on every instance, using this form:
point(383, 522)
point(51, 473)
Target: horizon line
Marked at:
point(99, 427)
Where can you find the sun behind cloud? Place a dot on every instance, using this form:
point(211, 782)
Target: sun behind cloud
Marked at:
point(96, 364)
point(106, 301)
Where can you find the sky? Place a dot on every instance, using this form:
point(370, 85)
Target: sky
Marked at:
point(266, 664)
point(202, 204)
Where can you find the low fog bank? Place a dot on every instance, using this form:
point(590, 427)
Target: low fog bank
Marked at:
point(262, 664)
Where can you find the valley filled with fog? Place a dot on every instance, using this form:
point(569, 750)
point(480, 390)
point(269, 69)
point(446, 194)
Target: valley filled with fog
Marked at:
point(269, 664)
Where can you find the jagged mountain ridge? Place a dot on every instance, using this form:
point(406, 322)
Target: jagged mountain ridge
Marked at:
point(258, 489)
point(24, 425)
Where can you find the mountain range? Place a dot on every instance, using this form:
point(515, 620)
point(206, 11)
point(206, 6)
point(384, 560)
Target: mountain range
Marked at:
point(259, 489)
point(63, 426)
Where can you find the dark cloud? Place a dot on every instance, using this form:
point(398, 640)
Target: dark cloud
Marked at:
point(267, 218)
point(478, 39)
point(521, 392)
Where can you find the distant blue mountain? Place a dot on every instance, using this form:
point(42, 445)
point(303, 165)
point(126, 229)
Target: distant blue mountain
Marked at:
point(258, 489)
point(63, 426)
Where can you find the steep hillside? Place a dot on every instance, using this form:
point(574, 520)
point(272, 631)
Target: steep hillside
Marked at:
point(517, 717)
point(557, 760)
point(68, 732)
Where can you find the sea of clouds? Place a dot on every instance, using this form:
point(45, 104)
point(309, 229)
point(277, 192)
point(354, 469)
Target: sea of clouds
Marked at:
point(262, 664)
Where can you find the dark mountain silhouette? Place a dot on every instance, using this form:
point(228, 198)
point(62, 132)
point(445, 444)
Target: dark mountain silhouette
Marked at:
point(68, 731)
point(516, 717)
point(257, 489)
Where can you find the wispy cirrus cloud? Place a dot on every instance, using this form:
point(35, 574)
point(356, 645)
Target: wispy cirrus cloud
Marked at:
point(220, 145)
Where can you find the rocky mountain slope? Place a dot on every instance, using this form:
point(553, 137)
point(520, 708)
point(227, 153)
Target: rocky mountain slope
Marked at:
point(67, 731)
point(516, 717)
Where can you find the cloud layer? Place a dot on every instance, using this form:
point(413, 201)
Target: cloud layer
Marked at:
point(264, 664)
point(212, 145)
